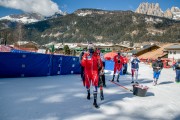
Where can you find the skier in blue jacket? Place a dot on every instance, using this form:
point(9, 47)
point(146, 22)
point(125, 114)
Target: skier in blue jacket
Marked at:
point(177, 68)
point(134, 68)
point(157, 67)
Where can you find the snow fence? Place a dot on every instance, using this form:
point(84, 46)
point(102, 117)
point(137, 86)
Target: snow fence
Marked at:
point(33, 65)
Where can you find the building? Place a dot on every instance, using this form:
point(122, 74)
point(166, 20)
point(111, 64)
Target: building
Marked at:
point(27, 46)
point(106, 47)
point(173, 51)
point(154, 54)
point(145, 49)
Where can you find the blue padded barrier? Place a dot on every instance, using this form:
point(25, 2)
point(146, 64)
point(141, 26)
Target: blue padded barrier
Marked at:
point(70, 65)
point(30, 64)
point(109, 65)
point(23, 65)
point(56, 64)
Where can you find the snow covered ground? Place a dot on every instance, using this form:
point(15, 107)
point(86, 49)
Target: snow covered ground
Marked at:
point(64, 98)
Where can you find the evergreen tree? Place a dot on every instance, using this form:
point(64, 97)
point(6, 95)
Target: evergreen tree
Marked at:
point(66, 50)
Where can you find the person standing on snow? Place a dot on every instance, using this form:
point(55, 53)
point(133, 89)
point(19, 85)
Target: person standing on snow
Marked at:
point(157, 67)
point(92, 64)
point(134, 68)
point(82, 68)
point(119, 61)
point(101, 81)
point(177, 68)
point(101, 73)
point(125, 65)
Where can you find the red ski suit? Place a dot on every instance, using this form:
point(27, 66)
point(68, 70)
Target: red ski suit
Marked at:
point(91, 65)
point(118, 63)
point(126, 60)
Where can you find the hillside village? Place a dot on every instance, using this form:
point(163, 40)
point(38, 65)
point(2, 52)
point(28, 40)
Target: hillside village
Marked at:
point(145, 51)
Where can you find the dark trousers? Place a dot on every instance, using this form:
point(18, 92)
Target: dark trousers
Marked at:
point(102, 80)
point(177, 75)
point(82, 73)
point(125, 68)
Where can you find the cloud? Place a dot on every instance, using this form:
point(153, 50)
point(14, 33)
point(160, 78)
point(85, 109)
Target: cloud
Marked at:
point(44, 7)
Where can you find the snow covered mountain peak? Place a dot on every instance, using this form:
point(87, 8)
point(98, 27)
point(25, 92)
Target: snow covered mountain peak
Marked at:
point(154, 9)
point(84, 12)
point(30, 17)
point(24, 18)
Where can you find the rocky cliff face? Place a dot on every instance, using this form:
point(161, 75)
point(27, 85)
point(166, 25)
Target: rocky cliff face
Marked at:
point(176, 13)
point(154, 9)
point(150, 9)
point(168, 14)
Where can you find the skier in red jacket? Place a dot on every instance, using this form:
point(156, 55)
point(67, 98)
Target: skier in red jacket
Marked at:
point(118, 59)
point(92, 63)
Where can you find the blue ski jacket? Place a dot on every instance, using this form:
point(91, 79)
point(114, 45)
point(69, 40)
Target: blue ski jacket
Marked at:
point(135, 63)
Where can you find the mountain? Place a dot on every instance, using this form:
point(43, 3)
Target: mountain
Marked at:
point(154, 9)
point(56, 15)
point(84, 12)
point(95, 25)
point(176, 13)
point(24, 18)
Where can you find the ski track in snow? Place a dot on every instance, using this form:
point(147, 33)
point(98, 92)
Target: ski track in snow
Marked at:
point(64, 98)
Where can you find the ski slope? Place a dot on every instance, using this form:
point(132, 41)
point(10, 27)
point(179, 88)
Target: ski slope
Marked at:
point(64, 98)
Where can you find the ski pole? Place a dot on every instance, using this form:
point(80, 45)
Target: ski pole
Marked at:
point(121, 86)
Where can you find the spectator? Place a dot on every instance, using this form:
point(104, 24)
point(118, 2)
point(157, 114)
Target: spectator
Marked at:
point(157, 67)
point(177, 69)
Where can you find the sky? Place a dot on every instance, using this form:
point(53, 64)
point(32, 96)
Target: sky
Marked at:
point(49, 7)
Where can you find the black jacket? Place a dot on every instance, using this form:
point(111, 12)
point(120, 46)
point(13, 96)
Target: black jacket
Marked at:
point(80, 56)
point(177, 66)
point(157, 64)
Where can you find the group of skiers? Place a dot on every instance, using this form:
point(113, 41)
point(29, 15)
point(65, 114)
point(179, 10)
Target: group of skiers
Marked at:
point(92, 70)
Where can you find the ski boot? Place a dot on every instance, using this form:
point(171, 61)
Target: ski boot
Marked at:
point(154, 82)
point(113, 78)
point(118, 78)
point(88, 96)
point(101, 95)
point(132, 80)
point(95, 105)
point(95, 101)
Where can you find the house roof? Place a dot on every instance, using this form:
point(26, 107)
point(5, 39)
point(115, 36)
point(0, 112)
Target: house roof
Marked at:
point(4, 48)
point(173, 47)
point(142, 49)
point(155, 53)
point(133, 51)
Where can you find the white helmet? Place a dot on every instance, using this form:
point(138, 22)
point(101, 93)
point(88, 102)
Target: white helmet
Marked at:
point(90, 46)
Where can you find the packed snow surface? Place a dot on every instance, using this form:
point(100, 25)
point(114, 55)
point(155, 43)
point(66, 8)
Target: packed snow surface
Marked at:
point(64, 98)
